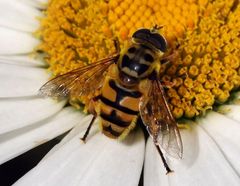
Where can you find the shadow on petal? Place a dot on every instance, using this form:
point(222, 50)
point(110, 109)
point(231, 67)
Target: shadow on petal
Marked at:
point(203, 163)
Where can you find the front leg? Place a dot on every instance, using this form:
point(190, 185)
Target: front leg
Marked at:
point(117, 45)
point(170, 58)
point(167, 84)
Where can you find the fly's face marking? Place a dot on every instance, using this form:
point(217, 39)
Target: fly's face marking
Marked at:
point(137, 62)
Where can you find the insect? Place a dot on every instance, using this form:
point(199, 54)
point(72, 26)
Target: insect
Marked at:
point(129, 87)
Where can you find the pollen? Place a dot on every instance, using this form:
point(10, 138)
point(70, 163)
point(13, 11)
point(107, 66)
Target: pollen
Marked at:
point(174, 16)
point(208, 61)
point(75, 33)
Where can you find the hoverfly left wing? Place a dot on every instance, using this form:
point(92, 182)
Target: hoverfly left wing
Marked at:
point(78, 82)
point(160, 123)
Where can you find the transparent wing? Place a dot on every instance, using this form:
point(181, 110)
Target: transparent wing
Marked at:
point(159, 121)
point(78, 82)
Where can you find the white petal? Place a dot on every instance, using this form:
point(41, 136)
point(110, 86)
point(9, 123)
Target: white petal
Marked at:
point(202, 163)
point(16, 42)
point(225, 132)
point(41, 1)
point(18, 113)
point(81, 126)
point(231, 111)
point(35, 3)
point(101, 161)
point(19, 16)
point(17, 81)
point(22, 60)
point(17, 142)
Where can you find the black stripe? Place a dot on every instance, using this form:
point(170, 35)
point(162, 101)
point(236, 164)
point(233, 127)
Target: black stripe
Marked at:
point(114, 119)
point(109, 129)
point(123, 92)
point(146, 47)
point(117, 106)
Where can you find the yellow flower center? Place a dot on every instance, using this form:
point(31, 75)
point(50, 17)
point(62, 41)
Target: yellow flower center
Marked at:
point(208, 64)
point(126, 16)
point(75, 33)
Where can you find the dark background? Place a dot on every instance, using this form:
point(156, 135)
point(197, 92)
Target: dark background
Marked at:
point(15, 168)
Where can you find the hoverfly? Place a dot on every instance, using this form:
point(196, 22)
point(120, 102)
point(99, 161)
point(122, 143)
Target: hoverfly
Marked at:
point(129, 87)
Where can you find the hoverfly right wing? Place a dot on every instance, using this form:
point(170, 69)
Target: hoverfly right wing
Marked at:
point(78, 82)
point(159, 121)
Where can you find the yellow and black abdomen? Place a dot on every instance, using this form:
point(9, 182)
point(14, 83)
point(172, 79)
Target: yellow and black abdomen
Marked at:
point(118, 109)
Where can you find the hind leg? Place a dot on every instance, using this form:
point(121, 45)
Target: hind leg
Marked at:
point(163, 159)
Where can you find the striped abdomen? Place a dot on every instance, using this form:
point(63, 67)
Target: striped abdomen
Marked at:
point(118, 109)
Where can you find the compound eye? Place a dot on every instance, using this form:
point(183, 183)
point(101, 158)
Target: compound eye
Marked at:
point(132, 50)
point(155, 39)
point(148, 57)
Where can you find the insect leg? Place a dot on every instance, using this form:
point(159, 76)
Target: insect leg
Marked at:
point(117, 45)
point(163, 159)
point(167, 84)
point(88, 129)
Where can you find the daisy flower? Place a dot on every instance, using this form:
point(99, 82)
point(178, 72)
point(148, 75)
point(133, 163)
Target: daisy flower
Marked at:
point(41, 39)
